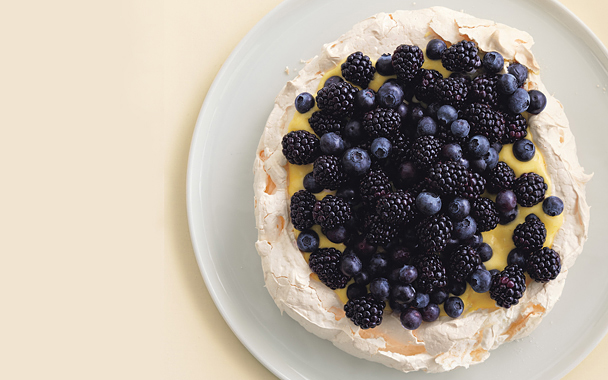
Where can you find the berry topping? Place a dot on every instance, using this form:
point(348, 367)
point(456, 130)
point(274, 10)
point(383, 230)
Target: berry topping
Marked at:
point(538, 102)
point(501, 177)
point(331, 212)
point(530, 235)
point(544, 265)
point(530, 189)
point(373, 185)
point(428, 203)
point(434, 232)
point(453, 91)
point(519, 101)
point(524, 150)
point(381, 148)
point(483, 210)
point(519, 71)
point(308, 241)
point(449, 178)
point(322, 123)
point(463, 262)
point(337, 99)
point(424, 85)
point(332, 143)
point(508, 286)
point(431, 273)
point(430, 313)
point(365, 100)
point(407, 60)
point(480, 280)
point(304, 102)
point(507, 84)
point(390, 95)
point(328, 172)
point(485, 121)
point(434, 48)
point(356, 162)
point(484, 90)
point(397, 207)
point(365, 312)
point(350, 265)
point(384, 65)
point(425, 151)
point(493, 62)
point(358, 69)
point(380, 288)
point(325, 263)
point(516, 128)
point(411, 319)
point(381, 122)
point(461, 57)
point(301, 206)
point(553, 206)
point(300, 147)
point(454, 307)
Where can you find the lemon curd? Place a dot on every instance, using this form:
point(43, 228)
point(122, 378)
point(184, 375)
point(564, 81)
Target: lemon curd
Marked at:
point(500, 238)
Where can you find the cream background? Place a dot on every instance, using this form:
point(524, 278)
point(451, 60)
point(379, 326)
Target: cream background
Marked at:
point(98, 102)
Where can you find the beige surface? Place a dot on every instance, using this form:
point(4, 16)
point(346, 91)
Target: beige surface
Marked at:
point(98, 102)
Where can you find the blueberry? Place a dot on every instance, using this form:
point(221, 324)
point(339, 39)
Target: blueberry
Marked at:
point(426, 126)
point(378, 265)
point(308, 241)
point(507, 216)
point(389, 95)
point(380, 288)
point(454, 307)
point(538, 102)
point(416, 113)
point(311, 185)
point(363, 249)
point(458, 209)
point(493, 62)
point(430, 313)
point(457, 288)
point(519, 101)
point(411, 319)
point(332, 144)
point(350, 264)
point(464, 163)
point(524, 150)
point(362, 278)
point(407, 274)
point(337, 235)
point(365, 100)
point(506, 84)
point(460, 128)
point(491, 159)
point(530, 217)
point(506, 200)
point(332, 80)
point(384, 65)
point(480, 281)
point(381, 147)
point(304, 102)
point(355, 291)
point(478, 146)
point(474, 241)
point(479, 165)
point(407, 174)
point(439, 296)
point(399, 255)
point(402, 111)
point(485, 252)
point(397, 307)
point(434, 49)
point(421, 300)
point(553, 206)
point(349, 194)
point(428, 203)
point(402, 293)
point(432, 109)
point(353, 131)
point(446, 114)
point(519, 71)
point(465, 228)
point(451, 152)
point(356, 162)
point(497, 146)
point(517, 257)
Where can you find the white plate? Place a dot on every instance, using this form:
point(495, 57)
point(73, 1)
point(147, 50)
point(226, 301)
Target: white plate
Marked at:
point(220, 191)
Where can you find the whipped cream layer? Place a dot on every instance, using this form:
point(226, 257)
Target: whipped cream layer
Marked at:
point(446, 343)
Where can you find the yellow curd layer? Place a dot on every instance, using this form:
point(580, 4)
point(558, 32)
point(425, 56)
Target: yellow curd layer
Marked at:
point(500, 238)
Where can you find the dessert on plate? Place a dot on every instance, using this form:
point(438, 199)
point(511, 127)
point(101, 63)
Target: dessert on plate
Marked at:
point(418, 195)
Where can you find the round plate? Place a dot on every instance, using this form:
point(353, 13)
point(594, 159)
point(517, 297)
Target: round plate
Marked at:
point(220, 186)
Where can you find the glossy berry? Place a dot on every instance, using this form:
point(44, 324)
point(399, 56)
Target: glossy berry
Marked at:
point(389, 95)
point(426, 126)
point(428, 203)
point(480, 281)
point(530, 189)
point(421, 300)
point(301, 209)
point(304, 102)
point(411, 319)
point(491, 159)
point(485, 252)
point(407, 274)
point(439, 296)
point(506, 84)
point(434, 48)
point(333, 80)
point(337, 234)
point(300, 147)
point(378, 265)
point(519, 101)
point(458, 209)
point(365, 312)
point(517, 257)
point(381, 148)
point(524, 150)
point(384, 65)
point(478, 146)
point(493, 62)
point(446, 114)
point(464, 228)
point(355, 291)
point(380, 288)
point(353, 131)
point(451, 152)
point(358, 69)
point(331, 143)
point(519, 71)
point(430, 313)
point(460, 128)
point(454, 307)
point(457, 288)
point(506, 201)
point(356, 162)
point(365, 100)
point(311, 185)
point(461, 56)
point(538, 102)
point(553, 206)
point(544, 265)
point(308, 241)
point(508, 286)
point(325, 263)
point(402, 293)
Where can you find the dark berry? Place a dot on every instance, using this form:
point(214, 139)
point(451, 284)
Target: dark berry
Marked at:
point(355, 291)
point(428, 203)
point(464, 228)
point(434, 48)
point(426, 126)
point(407, 60)
point(399, 255)
point(451, 152)
point(362, 278)
point(507, 216)
point(333, 80)
point(460, 128)
point(379, 231)
point(421, 301)
point(463, 262)
point(553, 206)
point(484, 89)
point(381, 122)
point(300, 147)
point(378, 265)
point(439, 296)
point(483, 210)
point(396, 207)
point(485, 120)
point(516, 128)
point(508, 286)
point(350, 265)
point(308, 241)
point(457, 288)
point(430, 313)
point(544, 265)
point(493, 62)
point(478, 146)
point(311, 185)
point(407, 174)
point(519, 101)
point(402, 293)
point(337, 234)
point(458, 209)
point(356, 162)
point(384, 65)
point(485, 252)
point(407, 274)
point(365, 311)
point(434, 232)
point(538, 102)
point(506, 84)
point(411, 319)
point(337, 99)
point(506, 201)
point(501, 177)
point(380, 288)
point(446, 114)
point(524, 150)
point(328, 172)
point(452, 91)
point(491, 159)
point(425, 151)
point(301, 209)
point(519, 71)
point(389, 95)
point(349, 194)
point(530, 189)
point(322, 123)
point(304, 102)
point(461, 56)
point(517, 257)
point(480, 281)
point(381, 148)
point(358, 69)
point(530, 235)
point(431, 273)
point(325, 262)
point(454, 307)
point(353, 131)
point(331, 143)
point(365, 100)
point(331, 212)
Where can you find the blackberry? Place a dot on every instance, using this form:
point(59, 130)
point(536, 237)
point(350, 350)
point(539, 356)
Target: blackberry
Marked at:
point(461, 57)
point(407, 61)
point(325, 263)
point(425, 83)
point(530, 189)
point(431, 273)
point(365, 311)
point(378, 231)
point(501, 177)
point(475, 187)
point(300, 147)
point(463, 262)
point(381, 122)
point(373, 185)
point(322, 123)
point(301, 206)
point(449, 178)
point(331, 212)
point(327, 172)
point(544, 265)
point(453, 91)
point(425, 151)
point(515, 128)
point(530, 235)
point(337, 99)
point(396, 208)
point(485, 121)
point(434, 232)
point(483, 90)
point(508, 286)
point(483, 210)
point(358, 69)
point(401, 146)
